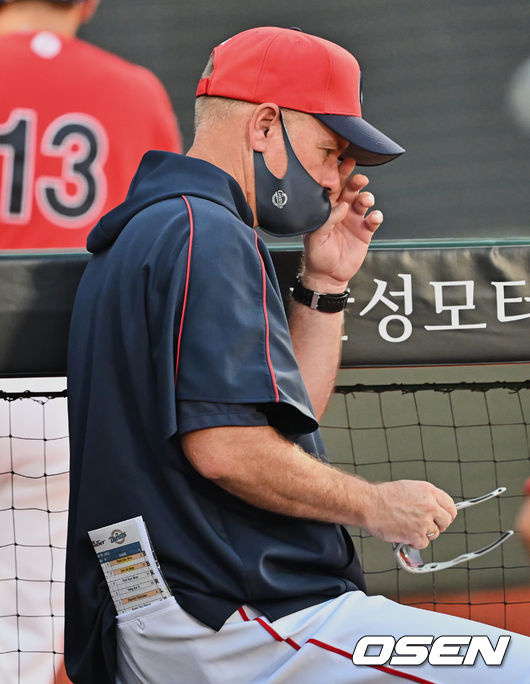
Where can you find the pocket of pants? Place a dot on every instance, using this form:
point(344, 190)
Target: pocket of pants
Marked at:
point(140, 639)
point(152, 640)
point(146, 613)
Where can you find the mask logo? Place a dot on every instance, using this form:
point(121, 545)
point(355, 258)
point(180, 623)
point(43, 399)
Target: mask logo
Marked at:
point(279, 199)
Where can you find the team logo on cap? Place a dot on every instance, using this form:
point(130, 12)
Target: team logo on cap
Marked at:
point(279, 199)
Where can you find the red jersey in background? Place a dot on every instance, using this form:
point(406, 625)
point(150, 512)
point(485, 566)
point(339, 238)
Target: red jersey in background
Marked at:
point(75, 122)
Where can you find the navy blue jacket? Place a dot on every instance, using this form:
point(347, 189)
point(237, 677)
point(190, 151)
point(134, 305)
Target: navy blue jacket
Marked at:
point(178, 324)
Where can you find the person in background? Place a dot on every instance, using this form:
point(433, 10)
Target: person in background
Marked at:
point(75, 121)
point(523, 518)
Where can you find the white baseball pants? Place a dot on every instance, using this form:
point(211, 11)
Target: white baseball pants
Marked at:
point(162, 644)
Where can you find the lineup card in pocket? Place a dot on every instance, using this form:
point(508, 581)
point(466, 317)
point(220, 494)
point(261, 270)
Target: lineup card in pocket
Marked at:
point(129, 564)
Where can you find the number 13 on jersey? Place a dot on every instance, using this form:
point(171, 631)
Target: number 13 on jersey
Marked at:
point(75, 192)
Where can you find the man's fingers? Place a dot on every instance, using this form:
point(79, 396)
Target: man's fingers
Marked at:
point(374, 220)
point(447, 503)
point(446, 513)
point(441, 521)
point(346, 169)
point(338, 213)
point(363, 202)
point(351, 183)
point(358, 181)
point(433, 532)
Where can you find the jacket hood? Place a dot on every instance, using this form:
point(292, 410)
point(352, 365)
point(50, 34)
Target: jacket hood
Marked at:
point(161, 176)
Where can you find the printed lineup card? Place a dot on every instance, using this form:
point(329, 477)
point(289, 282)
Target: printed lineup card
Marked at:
point(129, 564)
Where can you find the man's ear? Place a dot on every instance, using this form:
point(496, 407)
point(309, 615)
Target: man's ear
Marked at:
point(264, 125)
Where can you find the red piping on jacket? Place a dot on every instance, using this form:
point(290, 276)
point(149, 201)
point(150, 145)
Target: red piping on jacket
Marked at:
point(190, 245)
point(267, 343)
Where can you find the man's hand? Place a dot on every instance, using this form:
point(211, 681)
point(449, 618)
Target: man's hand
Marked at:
point(408, 511)
point(334, 253)
point(332, 256)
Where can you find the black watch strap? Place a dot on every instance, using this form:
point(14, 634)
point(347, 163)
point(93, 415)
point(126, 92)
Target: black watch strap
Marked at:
point(320, 301)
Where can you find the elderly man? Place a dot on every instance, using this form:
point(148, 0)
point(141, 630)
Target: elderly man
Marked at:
point(194, 401)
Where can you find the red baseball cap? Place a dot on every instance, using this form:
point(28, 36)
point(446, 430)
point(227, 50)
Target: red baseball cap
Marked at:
point(299, 71)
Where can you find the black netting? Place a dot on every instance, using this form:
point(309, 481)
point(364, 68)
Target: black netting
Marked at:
point(33, 516)
point(467, 438)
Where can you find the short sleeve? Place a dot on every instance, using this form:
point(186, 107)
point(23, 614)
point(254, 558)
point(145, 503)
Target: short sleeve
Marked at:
point(198, 415)
point(233, 340)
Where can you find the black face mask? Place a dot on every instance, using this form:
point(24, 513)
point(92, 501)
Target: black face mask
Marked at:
point(292, 205)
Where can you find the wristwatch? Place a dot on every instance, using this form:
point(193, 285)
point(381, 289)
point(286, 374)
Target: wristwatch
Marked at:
point(320, 301)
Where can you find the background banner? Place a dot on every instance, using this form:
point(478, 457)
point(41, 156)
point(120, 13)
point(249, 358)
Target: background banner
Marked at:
point(439, 306)
point(409, 306)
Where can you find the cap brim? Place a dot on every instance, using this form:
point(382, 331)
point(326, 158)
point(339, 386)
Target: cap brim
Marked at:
point(369, 147)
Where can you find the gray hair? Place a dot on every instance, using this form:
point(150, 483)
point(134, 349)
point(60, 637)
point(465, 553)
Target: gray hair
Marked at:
point(209, 111)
